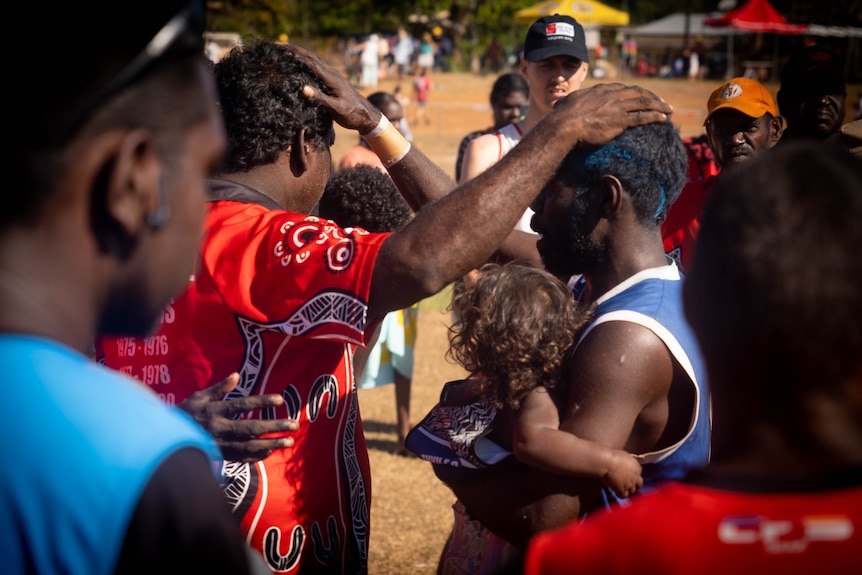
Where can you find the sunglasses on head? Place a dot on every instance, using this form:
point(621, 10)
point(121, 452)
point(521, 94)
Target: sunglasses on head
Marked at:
point(180, 36)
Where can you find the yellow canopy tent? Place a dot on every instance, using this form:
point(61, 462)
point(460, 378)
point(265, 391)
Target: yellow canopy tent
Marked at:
point(586, 12)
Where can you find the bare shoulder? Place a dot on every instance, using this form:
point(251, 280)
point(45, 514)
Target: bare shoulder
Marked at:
point(620, 357)
point(481, 153)
point(618, 372)
point(482, 144)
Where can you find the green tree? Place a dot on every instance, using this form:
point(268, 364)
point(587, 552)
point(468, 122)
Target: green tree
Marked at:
point(471, 24)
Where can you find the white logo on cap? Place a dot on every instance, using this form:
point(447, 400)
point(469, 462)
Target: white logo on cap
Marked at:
point(556, 29)
point(731, 91)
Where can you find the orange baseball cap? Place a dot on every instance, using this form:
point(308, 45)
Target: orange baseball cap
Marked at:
point(743, 95)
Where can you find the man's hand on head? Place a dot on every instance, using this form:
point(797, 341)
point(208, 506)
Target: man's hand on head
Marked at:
point(600, 113)
point(348, 107)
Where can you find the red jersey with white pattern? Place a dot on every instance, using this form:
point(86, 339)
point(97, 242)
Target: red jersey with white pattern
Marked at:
point(682, 528)
point(281, 298)
point(679, 231)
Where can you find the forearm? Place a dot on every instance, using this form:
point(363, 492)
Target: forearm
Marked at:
point(463, 228)
point(517, 502)
point(520, 246)
point(420, 181)
point(563, 453)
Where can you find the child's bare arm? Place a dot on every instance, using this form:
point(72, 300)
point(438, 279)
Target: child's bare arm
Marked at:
point(538, 442)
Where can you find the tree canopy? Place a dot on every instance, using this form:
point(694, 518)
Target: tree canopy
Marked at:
point(471, 24)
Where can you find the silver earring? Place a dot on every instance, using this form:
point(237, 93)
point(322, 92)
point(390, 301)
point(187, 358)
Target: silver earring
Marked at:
point(158, 218)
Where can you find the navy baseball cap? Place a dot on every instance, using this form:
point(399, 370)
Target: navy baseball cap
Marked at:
point(555, 35)
point(812, 70)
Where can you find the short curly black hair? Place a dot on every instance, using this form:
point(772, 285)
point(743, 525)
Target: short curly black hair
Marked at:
point(516, 325)
point(363, 196)
point(260, 94)
point(509, 83)
point(650, 161)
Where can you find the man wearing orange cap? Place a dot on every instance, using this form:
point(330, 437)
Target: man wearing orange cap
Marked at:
point(742, 120)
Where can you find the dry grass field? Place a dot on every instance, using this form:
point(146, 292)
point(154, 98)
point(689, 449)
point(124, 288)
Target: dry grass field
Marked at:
point(411, 510)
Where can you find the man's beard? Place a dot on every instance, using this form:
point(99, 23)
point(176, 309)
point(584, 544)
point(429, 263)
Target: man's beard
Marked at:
point(126, 314)
point(577, 253)
point(579, 256)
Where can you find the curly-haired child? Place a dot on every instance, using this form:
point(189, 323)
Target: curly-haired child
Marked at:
point(513, 326)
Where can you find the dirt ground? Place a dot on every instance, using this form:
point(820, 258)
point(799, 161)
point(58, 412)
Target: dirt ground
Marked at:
point(411, 510)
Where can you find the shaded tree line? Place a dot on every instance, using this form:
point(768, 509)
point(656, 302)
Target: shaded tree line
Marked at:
point(471, 24)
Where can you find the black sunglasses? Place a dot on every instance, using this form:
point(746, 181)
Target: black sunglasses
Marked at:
point(181, 36)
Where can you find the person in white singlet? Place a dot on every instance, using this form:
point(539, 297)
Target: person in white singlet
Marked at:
point(555, 63)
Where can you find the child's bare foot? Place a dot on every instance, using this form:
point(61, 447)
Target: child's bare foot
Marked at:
point(403, 452)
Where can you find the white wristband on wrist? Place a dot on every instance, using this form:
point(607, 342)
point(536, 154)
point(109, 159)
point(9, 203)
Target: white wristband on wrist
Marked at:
point(379, 129)
point(387, 142)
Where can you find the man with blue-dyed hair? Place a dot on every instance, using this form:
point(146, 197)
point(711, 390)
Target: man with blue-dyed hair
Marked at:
point(635, 378)
point(643, 163)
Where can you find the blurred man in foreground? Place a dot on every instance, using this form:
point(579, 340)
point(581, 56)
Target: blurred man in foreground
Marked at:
point(99, 230)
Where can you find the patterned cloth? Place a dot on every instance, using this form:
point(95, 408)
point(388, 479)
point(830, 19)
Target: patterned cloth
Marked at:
point(453, 435)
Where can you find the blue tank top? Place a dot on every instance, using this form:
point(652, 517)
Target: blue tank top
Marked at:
point(81, 443)
point(653, 299)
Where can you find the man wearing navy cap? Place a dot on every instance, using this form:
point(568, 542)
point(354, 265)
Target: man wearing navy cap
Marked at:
point(812, 95)
point(555, 63)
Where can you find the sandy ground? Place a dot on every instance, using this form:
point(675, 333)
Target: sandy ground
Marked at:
point(411, 510)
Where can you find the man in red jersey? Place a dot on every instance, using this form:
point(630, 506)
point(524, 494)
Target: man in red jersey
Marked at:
point(773, 297)
point(742, 121)
point(284, 298)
